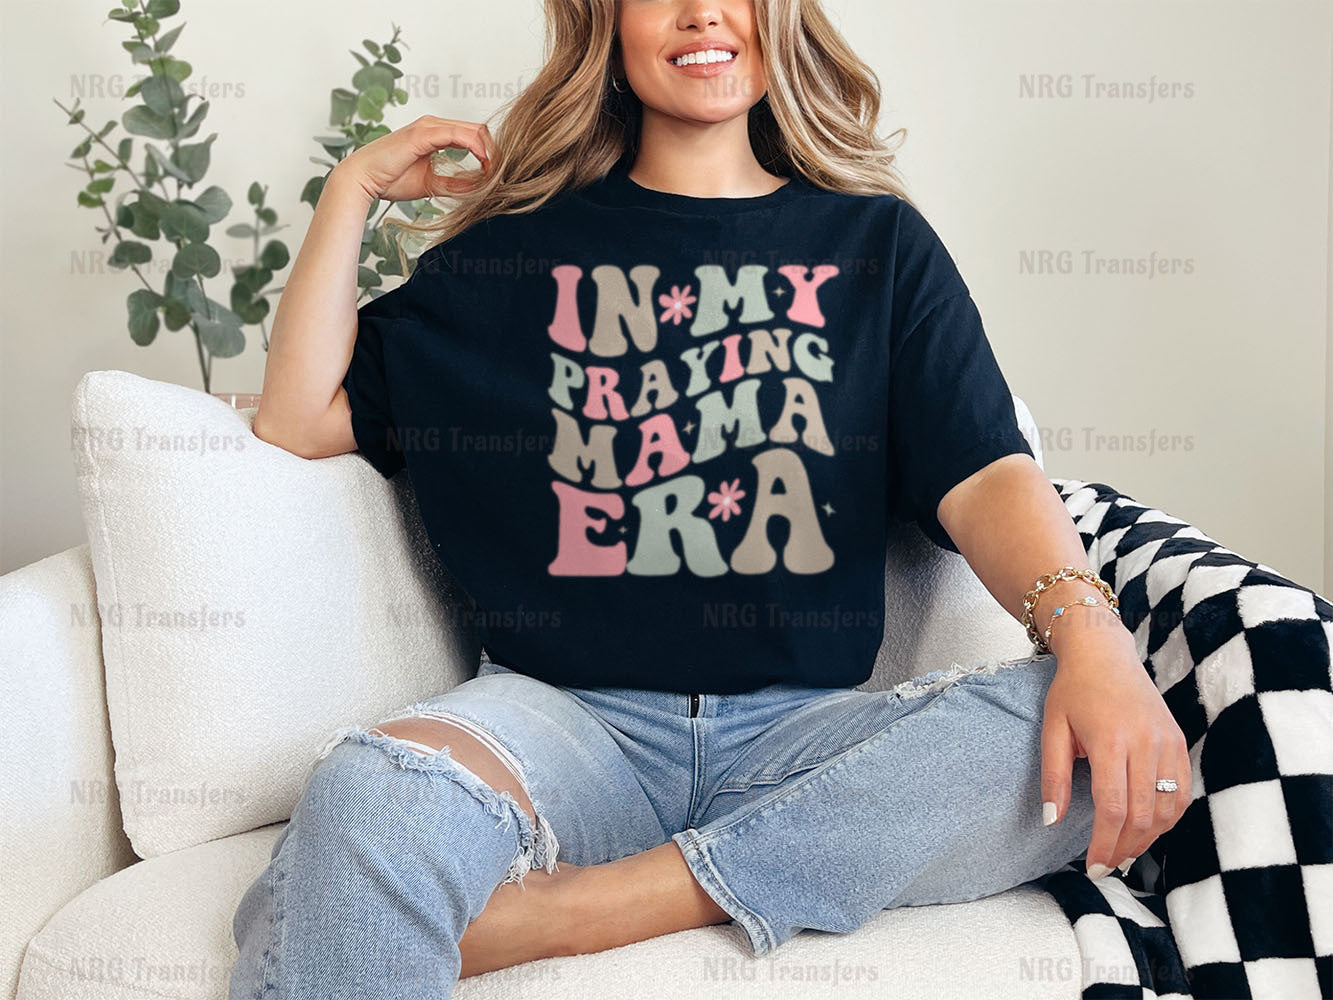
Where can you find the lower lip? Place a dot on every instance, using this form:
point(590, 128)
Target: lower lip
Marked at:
point(704, 69)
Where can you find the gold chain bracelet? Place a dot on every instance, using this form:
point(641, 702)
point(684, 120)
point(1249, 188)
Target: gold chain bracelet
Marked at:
point(1044, 582)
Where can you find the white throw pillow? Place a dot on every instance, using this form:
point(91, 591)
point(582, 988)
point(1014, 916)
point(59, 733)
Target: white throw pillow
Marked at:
point(937, 612)
point(251, 602)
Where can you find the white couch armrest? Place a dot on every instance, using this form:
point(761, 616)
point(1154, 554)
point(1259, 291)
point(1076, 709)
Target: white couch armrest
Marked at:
point(60, 824)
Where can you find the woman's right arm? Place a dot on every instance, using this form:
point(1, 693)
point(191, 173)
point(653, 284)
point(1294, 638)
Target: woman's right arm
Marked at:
point(303, 407)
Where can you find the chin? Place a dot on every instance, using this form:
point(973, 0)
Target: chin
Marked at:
point(708, 113)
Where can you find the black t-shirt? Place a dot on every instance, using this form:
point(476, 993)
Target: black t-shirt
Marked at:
point(656, 437)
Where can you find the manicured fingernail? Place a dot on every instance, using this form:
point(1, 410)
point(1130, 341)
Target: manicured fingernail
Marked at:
point(1049, 810)
point(1125, 865)
point(1098, 870)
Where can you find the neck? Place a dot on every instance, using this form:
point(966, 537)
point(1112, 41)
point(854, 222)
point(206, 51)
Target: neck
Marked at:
point(703, 161)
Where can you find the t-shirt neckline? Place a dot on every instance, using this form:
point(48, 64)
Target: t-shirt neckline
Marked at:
point(618, 188)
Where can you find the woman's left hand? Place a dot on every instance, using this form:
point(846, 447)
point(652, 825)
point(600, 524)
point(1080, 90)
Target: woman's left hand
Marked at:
point(1103, 705)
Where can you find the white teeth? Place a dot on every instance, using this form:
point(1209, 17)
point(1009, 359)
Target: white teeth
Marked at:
point(706, 56)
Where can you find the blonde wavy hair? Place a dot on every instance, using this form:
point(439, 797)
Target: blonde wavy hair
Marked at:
point(569, 127)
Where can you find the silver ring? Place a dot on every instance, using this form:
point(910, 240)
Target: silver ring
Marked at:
point(1166, 784)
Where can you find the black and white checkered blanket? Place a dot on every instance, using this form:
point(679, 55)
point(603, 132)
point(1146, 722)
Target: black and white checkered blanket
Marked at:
point(1236, 900)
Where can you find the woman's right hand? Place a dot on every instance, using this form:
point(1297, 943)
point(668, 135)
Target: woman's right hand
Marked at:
point(397, 166)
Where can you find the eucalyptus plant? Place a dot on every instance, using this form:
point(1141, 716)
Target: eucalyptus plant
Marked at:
point(358, 116)
point(160, 211)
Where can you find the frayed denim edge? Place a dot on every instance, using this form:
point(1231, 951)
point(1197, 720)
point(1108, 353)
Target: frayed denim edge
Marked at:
point(537, 846)
point(938, 680)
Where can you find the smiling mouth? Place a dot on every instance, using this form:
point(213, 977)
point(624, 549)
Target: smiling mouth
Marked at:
point(705, 57)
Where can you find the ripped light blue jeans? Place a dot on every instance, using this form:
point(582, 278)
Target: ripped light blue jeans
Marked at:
point(794, 807)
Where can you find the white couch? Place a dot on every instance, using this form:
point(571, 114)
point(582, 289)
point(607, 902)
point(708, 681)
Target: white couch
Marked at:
point(85, 917)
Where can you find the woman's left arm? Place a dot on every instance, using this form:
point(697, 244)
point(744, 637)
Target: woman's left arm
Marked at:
point(1010, 524)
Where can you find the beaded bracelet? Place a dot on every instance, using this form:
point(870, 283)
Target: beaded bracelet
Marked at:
point(1045, 581)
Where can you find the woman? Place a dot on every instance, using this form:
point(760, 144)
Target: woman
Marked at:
point(677, 354)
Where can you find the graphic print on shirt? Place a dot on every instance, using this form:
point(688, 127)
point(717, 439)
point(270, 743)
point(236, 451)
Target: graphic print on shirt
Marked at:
point(685, 385)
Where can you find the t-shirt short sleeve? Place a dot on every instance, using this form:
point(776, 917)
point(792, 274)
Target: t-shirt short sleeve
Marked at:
point(379, 321)
point(951, 412)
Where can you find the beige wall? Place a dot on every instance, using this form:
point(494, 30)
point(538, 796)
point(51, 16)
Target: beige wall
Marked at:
point(1227, 363)
point(1328, 361)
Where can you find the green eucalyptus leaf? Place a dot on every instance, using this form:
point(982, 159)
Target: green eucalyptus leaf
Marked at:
point(124, 216)
point(222, 340)
point(312, 190)
point(193, 159)
point(125, 149)
point(184, 220)
point(175, 314)
point(130, 252)
point(152, 202)
point(106, 128)
point(163, 95)
point(392, 54)
point(367, 278)
point(242, 230)
point(164, 43)
point(100, 186)
point(400, 95)
point(380, 244)
point(274, 255)
point(371, 47)
point(359, 57)
point(191, 124)
point(102, 167)
point(163, 8)
point(256, 194)
point(368, 107)
point(245, 305)
point(139, 52)
point(378, 75)
point(167, 166)
point(221, 313)
point(143, 222)
point(188, 293)
point(342, 106)
point(196, 258)
point(266, 215)
point(177, 69)
point(215, 202)
point(143, 304)
point(254, 277)
point(336, 150)
point(146, 24)
point(81, 150)
point(90, 200)
point(145, 121)
point(117, 14)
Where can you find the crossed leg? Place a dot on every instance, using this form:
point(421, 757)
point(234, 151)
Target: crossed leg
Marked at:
point(936, 806)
